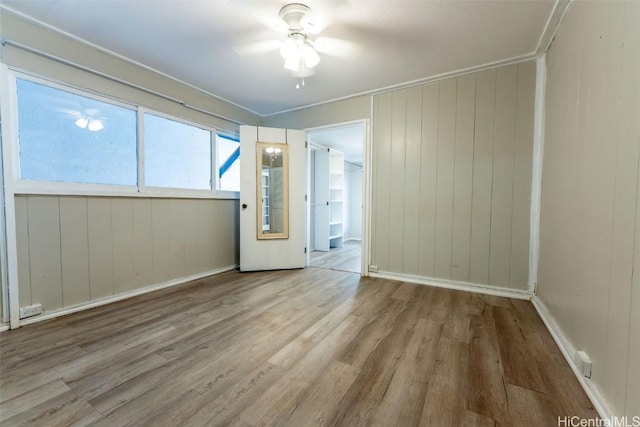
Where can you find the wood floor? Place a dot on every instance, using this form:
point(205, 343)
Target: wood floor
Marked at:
point(346, 258)
point(298, 348)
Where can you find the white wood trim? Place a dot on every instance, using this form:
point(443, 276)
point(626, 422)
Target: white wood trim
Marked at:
point(9, 141)
point(87, 43)
point(4, 327)
point(568, 351)
point(458, 286)
point(431, 79)
point(367, 163)
point(536, 172)
point(122, 296)
point(366, 185)
point(553, 24)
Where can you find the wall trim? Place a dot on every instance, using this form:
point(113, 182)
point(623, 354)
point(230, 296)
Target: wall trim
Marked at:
point(4, 327)
point(553, 24)
point(455, 285)
point(115, 55)
point(536, 171)
point(124, 295)
point(431, 79)
point(568, 351)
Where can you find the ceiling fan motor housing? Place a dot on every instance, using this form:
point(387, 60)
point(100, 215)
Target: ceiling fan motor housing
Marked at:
point(296, 16)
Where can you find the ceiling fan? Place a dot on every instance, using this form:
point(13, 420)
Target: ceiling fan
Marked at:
point(301, 52)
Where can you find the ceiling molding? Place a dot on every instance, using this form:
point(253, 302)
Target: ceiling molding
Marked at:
point(115, 55)
point(554, 20)
point(448, 75)
point(553, 24)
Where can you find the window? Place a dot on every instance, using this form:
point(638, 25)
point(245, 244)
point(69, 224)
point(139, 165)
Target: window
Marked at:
point(176, 155)
point(228, 163)
point(66, 137)
point(74, 142)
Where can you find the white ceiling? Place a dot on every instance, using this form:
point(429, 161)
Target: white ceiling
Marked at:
point(399, 41)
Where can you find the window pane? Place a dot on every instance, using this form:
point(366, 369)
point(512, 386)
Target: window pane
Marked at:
point(176, 155)
point(72, 138)
point(228, 163)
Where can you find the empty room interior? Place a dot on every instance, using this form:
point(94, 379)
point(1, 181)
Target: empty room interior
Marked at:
point(341, 212)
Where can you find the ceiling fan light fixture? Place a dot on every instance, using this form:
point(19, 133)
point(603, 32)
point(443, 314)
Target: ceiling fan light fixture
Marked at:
point(310, 56)
point(82, 122)
point(292, 63)
point(95, 125)
point(289, 48)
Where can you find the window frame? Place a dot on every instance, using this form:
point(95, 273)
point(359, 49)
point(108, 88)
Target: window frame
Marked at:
point(11, 150)
point(216, 172)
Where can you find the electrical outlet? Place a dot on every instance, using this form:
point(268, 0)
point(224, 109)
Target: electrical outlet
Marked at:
point(31, 310)
point(373, 268)
point(584, 363)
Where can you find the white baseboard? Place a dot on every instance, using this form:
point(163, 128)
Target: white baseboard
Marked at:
point(4, 327)
point(122, 296)
point(459, 286)
point(568, 351)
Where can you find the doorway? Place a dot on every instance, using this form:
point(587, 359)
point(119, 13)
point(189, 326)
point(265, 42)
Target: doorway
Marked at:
point(336, 160)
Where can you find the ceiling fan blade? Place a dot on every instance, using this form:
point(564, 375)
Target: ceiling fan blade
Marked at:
point(336, 47)
point(258, 48)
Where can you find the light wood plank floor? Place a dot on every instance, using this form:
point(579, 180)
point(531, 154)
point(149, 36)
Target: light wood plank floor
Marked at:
point(298, 348)
point(346, 258)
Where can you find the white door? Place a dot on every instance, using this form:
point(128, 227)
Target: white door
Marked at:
point(272, 253)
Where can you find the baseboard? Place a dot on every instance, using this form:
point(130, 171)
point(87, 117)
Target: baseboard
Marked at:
point(4, 327)
point(458, 286)
point(122, 296)
point(568, 351)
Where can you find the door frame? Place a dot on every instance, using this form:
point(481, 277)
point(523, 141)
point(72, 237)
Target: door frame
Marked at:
point(366, 190)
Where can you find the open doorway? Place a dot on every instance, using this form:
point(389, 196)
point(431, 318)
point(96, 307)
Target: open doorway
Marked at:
point(336, 158)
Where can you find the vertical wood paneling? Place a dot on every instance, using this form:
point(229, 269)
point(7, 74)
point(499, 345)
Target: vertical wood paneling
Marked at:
point(228, 254)
point(590, 200)
point(234, 220)
point(444, 178)
point(22, 244)
point(521, 204)
point(502, 188)
point(191, 227)
point(142, 242)
point(176, 239)
point(216, 232)
point(428, 179)
point(463, 178)
point(124, 277)
point(74, 248)
point(629, 131)
point(100, 247)
point(482, 177)
point(44, 251)
point(624, 191)
point(85, 248)
point(446, 208)
point(205, 242)
point(396, 179)
point(381, 196)
point(412, 181)
point(161, 224)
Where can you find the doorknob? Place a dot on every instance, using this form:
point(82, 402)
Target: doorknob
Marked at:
point(244, 206)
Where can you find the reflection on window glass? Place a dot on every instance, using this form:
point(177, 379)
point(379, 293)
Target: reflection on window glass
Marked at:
point(71, 138)
point(176, 155)
point(228, 163)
